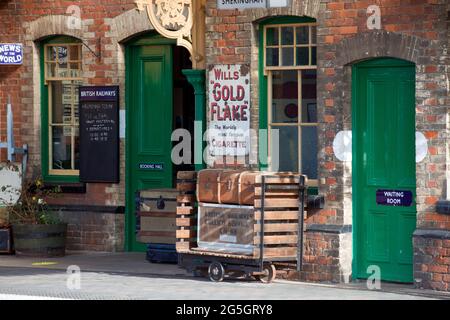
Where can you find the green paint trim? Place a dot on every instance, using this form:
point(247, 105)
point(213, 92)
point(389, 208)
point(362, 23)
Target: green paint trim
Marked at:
point(151, 38)
point(263, 79)
point(197, 79)
point(44, 113)
point(313, 191)
point(355, 192)
point(127, 242)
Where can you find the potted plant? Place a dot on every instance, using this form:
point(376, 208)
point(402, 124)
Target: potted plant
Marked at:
point(36, 230)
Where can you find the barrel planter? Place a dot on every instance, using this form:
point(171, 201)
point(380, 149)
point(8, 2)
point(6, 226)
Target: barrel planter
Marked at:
point(40, 240)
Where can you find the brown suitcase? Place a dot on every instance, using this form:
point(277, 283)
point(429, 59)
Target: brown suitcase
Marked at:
point(247, 187)
point(229, 186)
point(208, 185)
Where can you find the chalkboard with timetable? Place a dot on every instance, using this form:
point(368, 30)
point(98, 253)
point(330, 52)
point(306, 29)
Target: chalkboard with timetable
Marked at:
point(99, 134)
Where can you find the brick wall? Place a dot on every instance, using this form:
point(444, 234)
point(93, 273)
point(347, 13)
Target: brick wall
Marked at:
point(94, 231)
point(412, 30)
point(104, 27)
point(10, 79)
point(29, 22)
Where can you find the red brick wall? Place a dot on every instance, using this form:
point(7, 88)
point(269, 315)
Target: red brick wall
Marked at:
point(10, 81)
point(13, 16)
point(411, 30)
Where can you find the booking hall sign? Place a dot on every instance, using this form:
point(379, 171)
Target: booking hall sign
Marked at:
point(229, 110)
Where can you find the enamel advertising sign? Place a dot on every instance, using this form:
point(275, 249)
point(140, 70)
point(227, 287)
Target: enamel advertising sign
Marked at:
point(229, 110)
point(11, 53)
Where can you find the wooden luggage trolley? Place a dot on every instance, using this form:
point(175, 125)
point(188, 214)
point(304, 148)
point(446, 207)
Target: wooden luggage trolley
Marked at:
point(274, 225)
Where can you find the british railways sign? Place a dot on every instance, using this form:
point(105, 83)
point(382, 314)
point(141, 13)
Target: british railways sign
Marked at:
point(11, 54)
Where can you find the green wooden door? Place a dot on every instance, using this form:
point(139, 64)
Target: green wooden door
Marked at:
point(149, 125)
point(384, 159)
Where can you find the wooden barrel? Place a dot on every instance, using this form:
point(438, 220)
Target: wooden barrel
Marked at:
point(40, 240)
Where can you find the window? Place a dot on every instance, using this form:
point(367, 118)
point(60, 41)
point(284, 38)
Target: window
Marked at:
point(290, 76)
point(60, 122)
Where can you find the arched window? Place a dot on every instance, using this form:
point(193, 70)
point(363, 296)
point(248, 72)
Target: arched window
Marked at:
point(61, 75)
point(288, 94)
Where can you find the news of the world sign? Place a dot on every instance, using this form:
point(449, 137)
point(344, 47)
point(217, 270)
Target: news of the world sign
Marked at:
point(11, 53)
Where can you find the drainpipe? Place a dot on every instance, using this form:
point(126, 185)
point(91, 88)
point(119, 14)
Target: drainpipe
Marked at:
point(196, 78)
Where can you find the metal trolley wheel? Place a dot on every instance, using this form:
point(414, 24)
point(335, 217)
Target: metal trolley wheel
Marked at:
point(270, 273)
point(216, 272)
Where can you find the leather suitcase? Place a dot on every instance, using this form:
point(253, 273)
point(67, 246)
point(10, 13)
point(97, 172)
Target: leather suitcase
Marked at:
point(229, 186)
point(208, 185)
point(247, 187)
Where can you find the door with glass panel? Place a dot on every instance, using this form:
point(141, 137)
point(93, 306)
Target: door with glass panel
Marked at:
point(290, 71)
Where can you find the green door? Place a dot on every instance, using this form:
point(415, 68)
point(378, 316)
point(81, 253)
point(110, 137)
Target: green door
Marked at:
point(149, 126)
point(383, 96)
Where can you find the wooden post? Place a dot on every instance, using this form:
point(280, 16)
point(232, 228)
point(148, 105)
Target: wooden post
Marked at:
point(198, 34)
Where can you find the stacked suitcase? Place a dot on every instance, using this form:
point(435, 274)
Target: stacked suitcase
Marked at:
point(226, 186)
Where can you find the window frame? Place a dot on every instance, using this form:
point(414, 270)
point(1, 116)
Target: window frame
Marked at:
point(49, 174)
point(266, 77)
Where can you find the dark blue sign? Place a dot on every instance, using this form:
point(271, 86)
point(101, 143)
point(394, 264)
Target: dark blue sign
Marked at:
point(11, 53)
point(396, 198)
point(99, 93)
point(151, 166)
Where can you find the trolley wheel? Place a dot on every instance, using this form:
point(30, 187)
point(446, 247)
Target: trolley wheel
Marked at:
point(216, 272)
point(270, 273)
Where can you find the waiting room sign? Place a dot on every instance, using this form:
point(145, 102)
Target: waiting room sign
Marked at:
point(11, 53)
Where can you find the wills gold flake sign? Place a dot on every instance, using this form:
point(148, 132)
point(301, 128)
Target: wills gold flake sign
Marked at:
point(229, 110)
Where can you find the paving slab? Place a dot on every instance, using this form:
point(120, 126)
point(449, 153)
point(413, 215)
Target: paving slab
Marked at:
point(107, 286)
point(123, 262)
point(118, 276)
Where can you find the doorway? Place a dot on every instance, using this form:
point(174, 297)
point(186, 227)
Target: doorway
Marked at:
point(158, 100)
point(384, 179)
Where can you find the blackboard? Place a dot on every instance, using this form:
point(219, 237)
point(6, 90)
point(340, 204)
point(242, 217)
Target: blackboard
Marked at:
point(99, 134)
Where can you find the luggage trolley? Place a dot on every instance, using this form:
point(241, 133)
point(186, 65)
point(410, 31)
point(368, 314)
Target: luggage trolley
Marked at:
point(260, 266)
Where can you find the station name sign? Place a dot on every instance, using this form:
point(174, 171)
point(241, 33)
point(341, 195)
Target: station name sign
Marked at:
point(11, 53)
point(250, 4)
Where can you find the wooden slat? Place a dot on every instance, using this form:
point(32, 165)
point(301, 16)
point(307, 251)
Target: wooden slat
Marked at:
point(276, 192)
point(186, 198)
point(171, 234)
point(185, 210)
point(203, 252)
point(277, 252)
point(151, 239)
point(157, 214)
point(287, 179)
point(277, 215)
point(169, 194)
point(277, 239)
point(185, 245)
point(186, 186)
point(186, 222)
point(277, 203)
point(277, 227)
point(158, 224)
point(186, 175)
point(152, 205)
point(183, 234)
